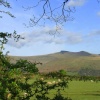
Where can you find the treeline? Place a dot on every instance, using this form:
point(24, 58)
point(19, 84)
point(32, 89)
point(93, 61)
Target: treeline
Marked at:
point(89, 72)
point(63, 74)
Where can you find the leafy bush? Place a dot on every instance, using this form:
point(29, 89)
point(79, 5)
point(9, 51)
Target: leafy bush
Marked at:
point(26, 66)
point(62, 73)
point(13, 84)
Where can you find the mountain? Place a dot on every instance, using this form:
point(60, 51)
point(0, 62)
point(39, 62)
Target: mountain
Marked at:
point(70, 61)
point(81, 53)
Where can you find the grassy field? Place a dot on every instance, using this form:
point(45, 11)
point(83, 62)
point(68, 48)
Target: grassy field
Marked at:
point(79, 90)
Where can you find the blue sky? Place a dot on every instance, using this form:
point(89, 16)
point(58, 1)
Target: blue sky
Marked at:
point(81, 34)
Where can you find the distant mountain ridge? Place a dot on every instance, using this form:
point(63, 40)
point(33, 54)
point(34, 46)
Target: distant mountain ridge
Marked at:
point(81, 53)
point(70, 61)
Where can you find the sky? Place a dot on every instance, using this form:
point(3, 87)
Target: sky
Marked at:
point(81, 34)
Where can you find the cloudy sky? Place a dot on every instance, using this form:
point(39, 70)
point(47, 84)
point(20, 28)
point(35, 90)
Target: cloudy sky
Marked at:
point(81, 34)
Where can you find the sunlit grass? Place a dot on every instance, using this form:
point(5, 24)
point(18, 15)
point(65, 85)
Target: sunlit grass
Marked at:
point(77, 90)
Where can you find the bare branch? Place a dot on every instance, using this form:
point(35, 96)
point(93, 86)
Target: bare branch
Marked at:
point(28, 8)
point(7, 13)
point(58, 15)
point(7, 5)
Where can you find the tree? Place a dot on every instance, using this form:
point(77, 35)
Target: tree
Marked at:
point(5, 35)
point(12, 84)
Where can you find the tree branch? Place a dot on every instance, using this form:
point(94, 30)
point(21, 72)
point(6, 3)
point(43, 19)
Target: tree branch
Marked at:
point(6, 4)
point(57, 15)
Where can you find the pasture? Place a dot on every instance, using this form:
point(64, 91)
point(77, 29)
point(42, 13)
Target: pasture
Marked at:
point(78, 90)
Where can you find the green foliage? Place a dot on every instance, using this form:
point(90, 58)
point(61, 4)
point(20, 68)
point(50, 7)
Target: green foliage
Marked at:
point(13, 86)
point(5, 36)
point(62, 72)
point(26, 66)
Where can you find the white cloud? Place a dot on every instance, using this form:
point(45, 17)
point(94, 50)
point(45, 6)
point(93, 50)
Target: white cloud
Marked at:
point(76, 2)
point(98, 13)
point(74, 39)
point(44, 37)
point(18, 44)
point(94, 33)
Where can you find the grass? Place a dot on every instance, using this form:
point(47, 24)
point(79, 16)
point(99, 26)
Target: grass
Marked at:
point(82, 91)
point(79, 90)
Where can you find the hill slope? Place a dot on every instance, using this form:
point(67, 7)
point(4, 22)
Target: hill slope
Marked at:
point(71, 61)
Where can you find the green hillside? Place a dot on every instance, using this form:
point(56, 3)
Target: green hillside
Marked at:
point(70, 61)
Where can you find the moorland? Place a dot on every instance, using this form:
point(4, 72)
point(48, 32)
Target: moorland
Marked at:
point(69, 61)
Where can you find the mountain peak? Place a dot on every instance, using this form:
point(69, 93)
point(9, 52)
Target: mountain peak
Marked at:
point(84, 53)
point(80, 53)
point(63, 51)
